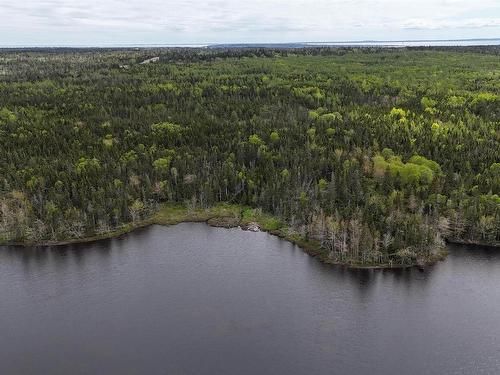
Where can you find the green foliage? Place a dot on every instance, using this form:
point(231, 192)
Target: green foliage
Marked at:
point(108, 140)
point(455, 102)
point(285, 174)
point(322, 184)
point(7, 116)
point(166, 129)
point(313, 115)
point(485, 102)
point(398, 113)
point(331, 118)
point(417, 171)
point(254, 139)
point(87, 165)
point(485, 97)
point(274, 136)
point(422, 161)
point(266, 222)
point(309, 94)
point(129, 157)
point(162, 165)
point(311, 133)
point(427, 102)
point(369, 152)
point(169, 87)
point(51, 209)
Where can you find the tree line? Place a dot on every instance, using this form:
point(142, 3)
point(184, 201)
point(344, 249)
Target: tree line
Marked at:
point(378, 154)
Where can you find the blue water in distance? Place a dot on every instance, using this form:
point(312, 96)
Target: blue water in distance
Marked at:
point(359, 43)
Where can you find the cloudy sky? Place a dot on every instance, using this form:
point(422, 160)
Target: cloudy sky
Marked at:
point(109, 22)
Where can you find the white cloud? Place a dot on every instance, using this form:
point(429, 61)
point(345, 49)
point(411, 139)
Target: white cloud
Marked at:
point(432, 24)
point(183, 21)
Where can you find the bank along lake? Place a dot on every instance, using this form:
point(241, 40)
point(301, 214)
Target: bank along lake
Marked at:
point(194, 299)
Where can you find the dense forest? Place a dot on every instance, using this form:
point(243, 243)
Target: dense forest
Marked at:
point(379, 154)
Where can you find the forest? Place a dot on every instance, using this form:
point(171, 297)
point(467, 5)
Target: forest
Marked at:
point(381, 155)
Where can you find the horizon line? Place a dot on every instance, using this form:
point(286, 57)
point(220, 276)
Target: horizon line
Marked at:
point(208, 44)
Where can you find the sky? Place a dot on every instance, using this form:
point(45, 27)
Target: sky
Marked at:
point(117, 22)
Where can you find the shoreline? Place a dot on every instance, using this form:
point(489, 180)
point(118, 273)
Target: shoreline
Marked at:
point(457, 241)
point(237, 216)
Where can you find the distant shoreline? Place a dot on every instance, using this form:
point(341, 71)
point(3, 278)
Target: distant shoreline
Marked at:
point(346, 43)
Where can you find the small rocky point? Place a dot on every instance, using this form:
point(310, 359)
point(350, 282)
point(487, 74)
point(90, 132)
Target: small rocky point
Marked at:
point(251, 226)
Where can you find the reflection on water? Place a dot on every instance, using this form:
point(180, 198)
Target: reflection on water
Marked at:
point(192, 299)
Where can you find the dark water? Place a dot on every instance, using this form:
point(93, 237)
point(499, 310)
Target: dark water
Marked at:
point(191, 299)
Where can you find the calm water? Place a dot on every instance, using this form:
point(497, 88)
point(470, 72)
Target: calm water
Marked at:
point(192, 299)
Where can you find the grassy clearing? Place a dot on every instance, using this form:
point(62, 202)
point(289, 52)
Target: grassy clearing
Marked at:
point(266, 222)
point(171, 214)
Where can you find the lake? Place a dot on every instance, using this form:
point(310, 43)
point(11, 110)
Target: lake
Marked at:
point(192, 299)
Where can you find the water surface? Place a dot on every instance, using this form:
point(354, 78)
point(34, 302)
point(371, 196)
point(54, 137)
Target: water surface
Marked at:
point(191, 299)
